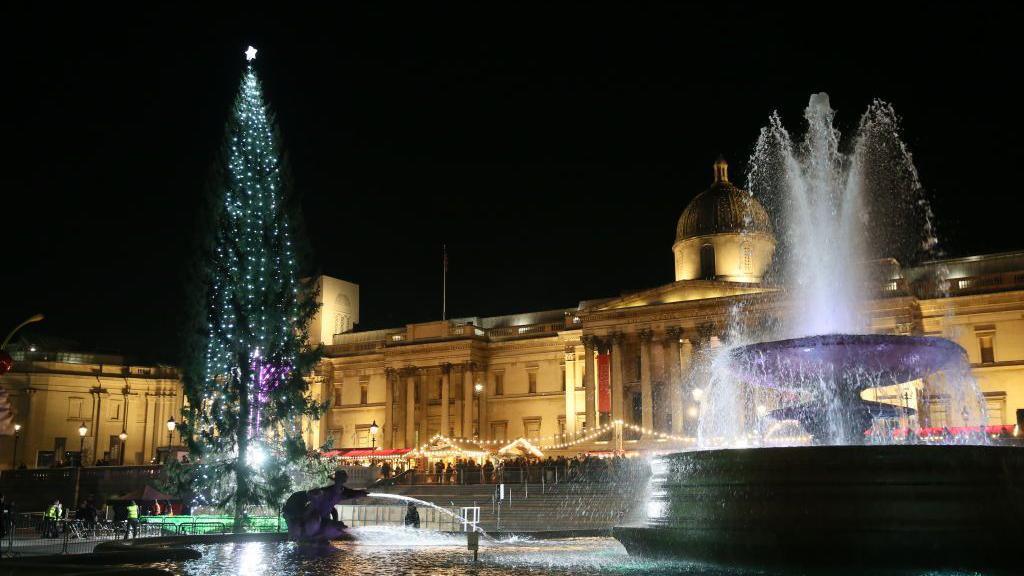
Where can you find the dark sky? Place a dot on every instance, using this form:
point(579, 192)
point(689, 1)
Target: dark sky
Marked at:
point(551, 145)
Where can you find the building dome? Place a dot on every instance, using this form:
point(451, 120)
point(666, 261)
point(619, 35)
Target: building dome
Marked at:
point(724, 234)
point(723, 208)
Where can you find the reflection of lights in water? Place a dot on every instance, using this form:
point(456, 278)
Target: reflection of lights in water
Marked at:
point(698, 394)
point(250, 561)
point(656, 507)
point(762, 411)
point(657, 503)
point(692, 412)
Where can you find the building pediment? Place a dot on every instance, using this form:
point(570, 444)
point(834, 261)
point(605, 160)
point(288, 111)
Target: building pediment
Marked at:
point(683, 291)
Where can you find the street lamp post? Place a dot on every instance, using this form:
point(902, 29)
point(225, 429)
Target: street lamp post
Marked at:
point(373, 434)
point(82, 431)
point(171, 424)
point(123, 436)
point(31, 319)
point(479, 389)
point(17, 435)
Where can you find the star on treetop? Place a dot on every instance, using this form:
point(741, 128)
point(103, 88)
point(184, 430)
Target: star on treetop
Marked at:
point(250, 54)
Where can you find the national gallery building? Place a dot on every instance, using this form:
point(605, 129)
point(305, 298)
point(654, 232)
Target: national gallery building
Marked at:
point(617, 373)
point(564, 378)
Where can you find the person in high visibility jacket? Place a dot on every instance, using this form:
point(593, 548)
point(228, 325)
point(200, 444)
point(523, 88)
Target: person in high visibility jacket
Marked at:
point(50, 520)
point(133, 520)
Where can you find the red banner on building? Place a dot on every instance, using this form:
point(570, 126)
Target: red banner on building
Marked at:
point(604, 383)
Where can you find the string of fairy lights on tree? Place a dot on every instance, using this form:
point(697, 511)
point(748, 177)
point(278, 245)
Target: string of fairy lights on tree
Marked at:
point(248, 398)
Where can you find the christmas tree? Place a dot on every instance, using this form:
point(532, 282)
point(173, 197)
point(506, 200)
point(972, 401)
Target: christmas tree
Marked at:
point(245, 372)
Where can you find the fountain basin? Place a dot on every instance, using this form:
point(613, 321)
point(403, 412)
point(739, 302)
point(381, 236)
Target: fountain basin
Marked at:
point(855, 361)
point(833, 369)
point(913, 506)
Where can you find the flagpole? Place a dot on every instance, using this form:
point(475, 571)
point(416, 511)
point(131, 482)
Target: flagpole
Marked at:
point(444, 282)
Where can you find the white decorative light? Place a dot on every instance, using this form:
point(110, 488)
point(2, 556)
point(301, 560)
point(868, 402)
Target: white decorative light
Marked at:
point(250, 54)
point(256, 457)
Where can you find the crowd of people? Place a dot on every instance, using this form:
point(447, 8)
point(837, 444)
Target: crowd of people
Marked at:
point(581, 468)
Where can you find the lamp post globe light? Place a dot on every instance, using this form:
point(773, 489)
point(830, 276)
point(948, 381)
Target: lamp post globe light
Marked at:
point(123, 436)
point(373, 434)
point(82, 431)
point(17, 435)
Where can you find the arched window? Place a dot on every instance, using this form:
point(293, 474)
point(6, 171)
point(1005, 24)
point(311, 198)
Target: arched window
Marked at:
point(707, 262)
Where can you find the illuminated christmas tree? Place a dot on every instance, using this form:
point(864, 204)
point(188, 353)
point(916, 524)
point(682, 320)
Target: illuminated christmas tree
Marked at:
point(245, 373)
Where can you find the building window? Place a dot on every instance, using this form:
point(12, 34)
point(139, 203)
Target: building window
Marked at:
point(563, 378)
point(995, 408)
point(638, 407)
point(75, 408)
point(531, 429)
point(561, 426)
point(747, 257)
point(987, 353)
point(499, 384)
point(364, 393)
point(114, 411)
point(707, 262)
point(337, 396)
point(531, 377)
point(362, 438)
point(938, 412)
point(499, 431)
point(440, 388)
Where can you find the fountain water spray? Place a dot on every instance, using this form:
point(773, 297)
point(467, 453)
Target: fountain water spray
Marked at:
point(461, 519)
point(838, 213)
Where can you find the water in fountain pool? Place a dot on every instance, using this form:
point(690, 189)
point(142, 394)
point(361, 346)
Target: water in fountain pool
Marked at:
point(387, 551)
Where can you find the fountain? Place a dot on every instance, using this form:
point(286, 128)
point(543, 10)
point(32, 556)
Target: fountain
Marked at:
point(839, 502)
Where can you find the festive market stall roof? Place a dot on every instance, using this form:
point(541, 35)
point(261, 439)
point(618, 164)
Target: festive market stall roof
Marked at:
point(367, 453)
point(441, 447)
point(378, 453)
point(520, 446)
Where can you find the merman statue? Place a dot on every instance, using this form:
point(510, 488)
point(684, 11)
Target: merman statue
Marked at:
point(311, 514)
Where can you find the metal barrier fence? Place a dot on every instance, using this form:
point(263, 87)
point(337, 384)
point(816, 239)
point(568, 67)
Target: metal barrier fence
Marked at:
point(391, 515)
point(31, 534)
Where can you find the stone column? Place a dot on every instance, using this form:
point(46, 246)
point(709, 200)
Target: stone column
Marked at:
point(687, 353)
point(590, 382)
point(646, 394)
point(467, 400)
point(446, 394)
point(481, 407)
point(570, 391)
point(387, 427)
point(675, 380)
point(410, 408)
point(617, 392)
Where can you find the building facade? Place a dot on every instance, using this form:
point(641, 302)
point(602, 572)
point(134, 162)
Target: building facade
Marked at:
point(563, 377)
point(124, 409)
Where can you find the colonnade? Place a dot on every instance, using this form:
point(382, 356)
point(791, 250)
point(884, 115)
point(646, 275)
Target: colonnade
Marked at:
point(679, 351)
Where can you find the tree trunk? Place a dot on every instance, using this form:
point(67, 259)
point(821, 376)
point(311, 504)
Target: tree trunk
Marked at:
point(242, 487)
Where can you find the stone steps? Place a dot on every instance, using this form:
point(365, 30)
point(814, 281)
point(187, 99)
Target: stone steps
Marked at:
point(535, 507)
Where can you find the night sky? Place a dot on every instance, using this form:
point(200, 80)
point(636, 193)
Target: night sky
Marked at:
point(551, 145)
